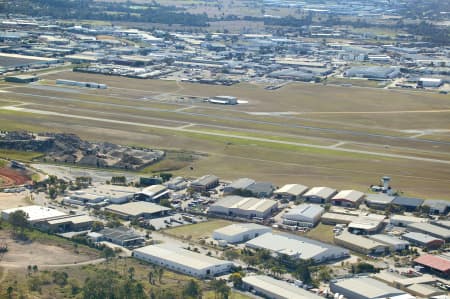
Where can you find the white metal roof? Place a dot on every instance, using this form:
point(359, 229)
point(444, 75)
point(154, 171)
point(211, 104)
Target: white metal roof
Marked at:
point(182, 256)
point(323, 192)
point(239, 228)
point(368, 288)
point(292, 189)
point(284, 290)
point(136, 208)
point(349, 195)
point(37, 213)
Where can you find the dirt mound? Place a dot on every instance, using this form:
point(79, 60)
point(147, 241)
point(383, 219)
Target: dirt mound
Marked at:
point(10, 177)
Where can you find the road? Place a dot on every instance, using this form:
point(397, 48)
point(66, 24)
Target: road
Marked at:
point(217, 134)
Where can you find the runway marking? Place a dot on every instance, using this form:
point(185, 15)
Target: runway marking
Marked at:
point(260, 139)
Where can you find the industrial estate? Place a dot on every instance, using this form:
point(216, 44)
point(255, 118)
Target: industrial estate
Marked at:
point(224, 149)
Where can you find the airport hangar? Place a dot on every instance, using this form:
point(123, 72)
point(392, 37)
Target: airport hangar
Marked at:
point(244, 207)
point(297, 247)
point(240, 232)
point(183, 261)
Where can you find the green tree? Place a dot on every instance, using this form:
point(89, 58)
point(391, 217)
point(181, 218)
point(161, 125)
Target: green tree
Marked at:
point(236, 279)
point(165, 176)
point(9, 292)
point(220, 288)
point(131, 272)
point(52, 192)
point(60, 278)
point(192, 290)
point(160, 274)
point(97, 226)
point(18, 220)
point(108, 253)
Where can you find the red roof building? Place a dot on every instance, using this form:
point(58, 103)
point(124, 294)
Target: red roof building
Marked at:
point(434, 263)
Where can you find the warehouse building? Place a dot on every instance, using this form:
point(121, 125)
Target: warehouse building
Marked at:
point(430, 229)
point(244, 207)
point(290, 191)
point(153, 193)
point(205, 183)
point(119, 235)
point(436, 264)
point(409, 204)
point(177, 183)
point(137, 209)
point(240, 184)
point(271, 288)
point(423, 240)
point(348, 198)
point(378, 201)
point(437, 206)
point(360, 244)
point(35, 213)
point(297, 247)
point(67, 224)
point(395, 244)
point(404, 220)
point(183, 261)
point(223, 100)
point(261, 189)
point(305, 215)
point(366, 288)
point(21, 79)
point(404, 282)
point(319, 194)
point(429, 82)
point(240, 232)
point(102, 193)
point(366, 225)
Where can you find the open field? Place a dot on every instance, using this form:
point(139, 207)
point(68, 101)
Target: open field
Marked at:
point(43, 250)
point(13, 200)
point(197, 231)
point(322, 233)
point(312, 134)
point(19, 155)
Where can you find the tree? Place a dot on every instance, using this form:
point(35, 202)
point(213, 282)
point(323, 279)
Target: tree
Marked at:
point(160, 274)
point(151, 277)
point(108, 253)
point(97, 226)
point(131, 273)
point(52, 192)
point(236, 279)
point(165, 176)
point(60, 278)
point(9, 292)
point(221, 290)
point(18, 220)
point(165, 203)
point(192, 290)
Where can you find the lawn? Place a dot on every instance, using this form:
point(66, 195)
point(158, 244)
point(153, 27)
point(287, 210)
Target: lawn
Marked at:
point(197, 231)
point(19, 155)
point(322, 233)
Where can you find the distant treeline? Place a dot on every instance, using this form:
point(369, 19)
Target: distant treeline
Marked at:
point(90, 10)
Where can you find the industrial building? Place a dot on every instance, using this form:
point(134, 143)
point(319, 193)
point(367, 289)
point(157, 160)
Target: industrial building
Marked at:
point(182, 260)
point(430, 229)
point(119, 235)
point(67, 224)
point(348, 198)
point(21, 78)
point(153, 193)
point(366, 288)
point(362, 225)
point(373, 72)
point(35, 213)
point(244, 207)
point(437, 206)
point(429, 82)
point(177, 183)
point(205, 183)
point(395, 244)
point(291, 191)
point(240, 232)
point(378, 201)
point(319, 194)
point(423, 240)
point(297, 247)
point(439, 265)
point(261, 189)
point(137, 209)
point(102, 193)
point(239, 184)
point(409, 204)
point(272, 288)
point(305, 215)
point(404, 220)
point(360, 244)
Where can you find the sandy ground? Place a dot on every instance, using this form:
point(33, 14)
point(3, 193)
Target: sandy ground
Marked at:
point(13, 200)
point(22, 254)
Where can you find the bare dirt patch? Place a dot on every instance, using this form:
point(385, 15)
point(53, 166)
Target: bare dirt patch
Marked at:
point(10, 177)
point(23, 253)
point(13, 200)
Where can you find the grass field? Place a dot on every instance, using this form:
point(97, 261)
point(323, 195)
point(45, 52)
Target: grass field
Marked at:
point(19, 155)
point(322, 233)
point(334, 136)
point(197, 231)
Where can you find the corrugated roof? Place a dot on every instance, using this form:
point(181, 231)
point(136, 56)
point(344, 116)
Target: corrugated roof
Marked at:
point(292, 189)
point(434, 261)
point(438, 231)
point(419, 237)
point(407, 201)
point(349, 195)
point(322, 192)
point(368, 287)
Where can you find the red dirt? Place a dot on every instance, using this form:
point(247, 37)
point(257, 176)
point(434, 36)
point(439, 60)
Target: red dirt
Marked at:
point(10, 177)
